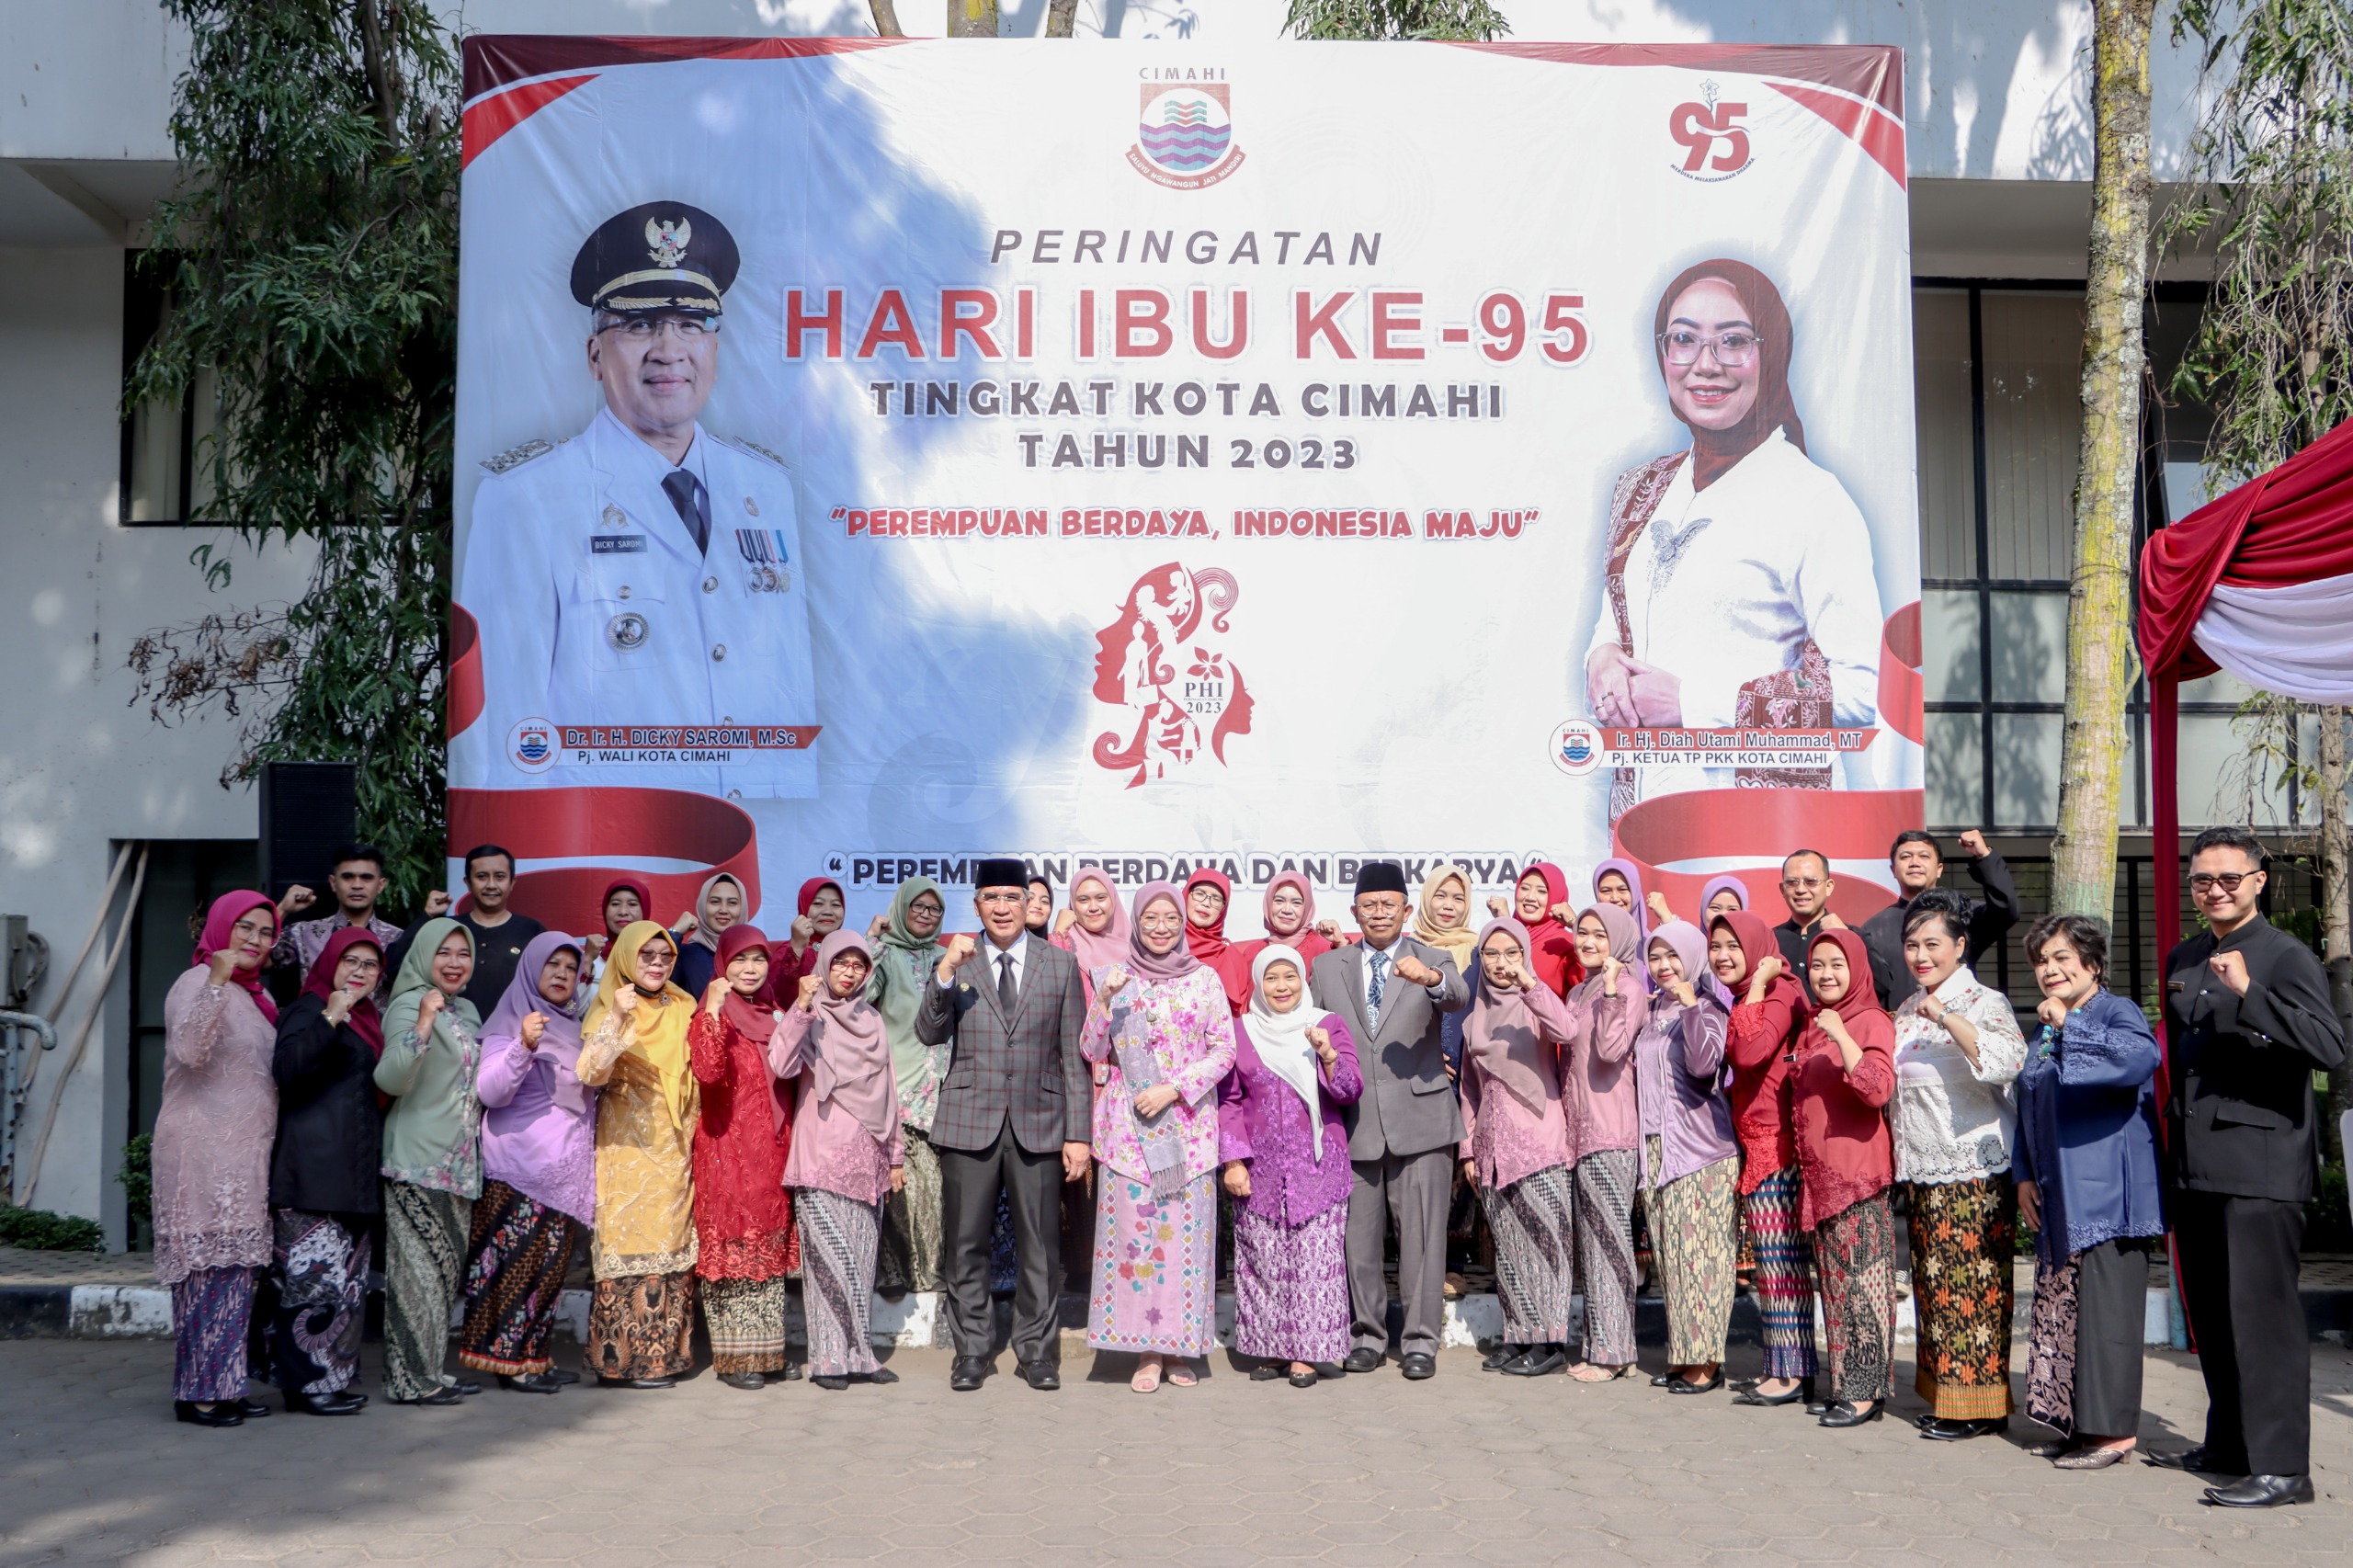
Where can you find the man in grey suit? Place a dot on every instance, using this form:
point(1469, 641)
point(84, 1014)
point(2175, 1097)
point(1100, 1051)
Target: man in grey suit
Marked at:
point(1403, 1130)
point(1014, 1114)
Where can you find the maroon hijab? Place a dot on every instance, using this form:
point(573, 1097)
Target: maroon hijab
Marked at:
point(1713, 452)
point(363, 1019)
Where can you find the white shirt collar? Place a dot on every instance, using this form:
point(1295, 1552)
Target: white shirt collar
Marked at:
point(636, 457)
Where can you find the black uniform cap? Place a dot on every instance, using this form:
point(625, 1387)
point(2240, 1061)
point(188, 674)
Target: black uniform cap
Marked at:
point(664, 255)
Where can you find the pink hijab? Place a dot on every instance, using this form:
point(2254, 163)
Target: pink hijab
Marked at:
point(1096, 950)
point(850, 1052)
point(219, 922)
point(1500, 1037)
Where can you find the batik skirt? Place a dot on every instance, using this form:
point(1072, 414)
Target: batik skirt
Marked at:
point(424, 1265)
point(1155, 1268)
point(746, 1322)
point(1855, 1251)
point(1535, 1243)
point(911, 1223)
point(2084, 1340)
point(1605, 1267)
point(1963, 1236)
point(838, 1237)
point(520, 1250)
point(642, 1325)
point(211, 1309)
point(1693, 1225)
point(1783, 1278)
point(321, 1261)
point(1290, 1287)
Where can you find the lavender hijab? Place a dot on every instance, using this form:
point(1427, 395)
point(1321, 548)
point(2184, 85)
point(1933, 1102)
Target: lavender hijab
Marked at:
point(1625, 939)
point(559, 1041)
point(850, 1049)
point(1633, 876)
point(1690, 945)
point(1500, 1037)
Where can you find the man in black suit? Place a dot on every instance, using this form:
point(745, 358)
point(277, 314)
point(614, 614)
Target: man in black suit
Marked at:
point(1918, 864)
point(1014, 1114)
point(2247, 1021)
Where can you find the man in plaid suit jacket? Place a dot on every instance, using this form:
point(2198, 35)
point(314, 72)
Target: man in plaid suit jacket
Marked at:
point(1016, 1113)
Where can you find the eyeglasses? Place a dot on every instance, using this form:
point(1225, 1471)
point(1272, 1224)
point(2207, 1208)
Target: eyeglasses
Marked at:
point(2205, 881)
point(1004, 900)
point(690, 329)
point(1734, 349)
point(1801, 882)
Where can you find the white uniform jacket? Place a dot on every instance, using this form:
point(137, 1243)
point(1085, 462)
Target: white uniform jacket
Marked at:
point(596, 615)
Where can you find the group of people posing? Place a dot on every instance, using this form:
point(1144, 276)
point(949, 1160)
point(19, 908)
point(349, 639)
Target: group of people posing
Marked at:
point(720, 1111)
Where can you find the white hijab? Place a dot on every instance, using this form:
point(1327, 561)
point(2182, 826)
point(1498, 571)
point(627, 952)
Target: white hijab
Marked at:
point(1282, 1037)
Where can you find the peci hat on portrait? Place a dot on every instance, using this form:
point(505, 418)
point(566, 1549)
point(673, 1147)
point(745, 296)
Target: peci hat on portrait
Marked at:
point(1379, 876)
point(1000, 871)
point(663, 255)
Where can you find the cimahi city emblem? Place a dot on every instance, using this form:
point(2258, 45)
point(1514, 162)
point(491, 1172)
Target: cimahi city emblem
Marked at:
point(1179, 691)
point(1185, 138)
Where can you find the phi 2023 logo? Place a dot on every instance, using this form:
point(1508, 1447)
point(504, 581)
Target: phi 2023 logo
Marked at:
point(1715, 146)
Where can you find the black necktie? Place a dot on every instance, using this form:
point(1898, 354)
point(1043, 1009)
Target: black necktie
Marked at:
point(1005, 998)
point(687, 494)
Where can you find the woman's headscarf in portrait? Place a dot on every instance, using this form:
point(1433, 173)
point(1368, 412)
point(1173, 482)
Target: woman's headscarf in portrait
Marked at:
point(1455, 939)
point(1713, 452)
point(703, 935)
point(850, 1049)
point(1280, 1039)
point(559, 1041)
point(1690, 945)
point(220, 923)
point(363, 1019)
point(661, 1019)
point(754, 1015)
point(1094, 949)
point(1141, 961)
point(812, 888)
point(894, 988)
point(1861, 996)
point(1551, 947)
point(1209, 943)
point(1733, 885)
point(623, 884)
point(1501, 1036)
point(1045, 925)
point(1625, 940)
point(1756, 944)
point(415, 979)
point(1633, 876)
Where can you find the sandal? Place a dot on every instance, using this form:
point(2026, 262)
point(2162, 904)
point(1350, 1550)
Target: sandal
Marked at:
point(1181, 1375)
point(1586, 1372)
point(1147, 1377)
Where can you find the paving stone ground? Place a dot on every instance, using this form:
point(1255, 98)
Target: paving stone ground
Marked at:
point(1369, 1472)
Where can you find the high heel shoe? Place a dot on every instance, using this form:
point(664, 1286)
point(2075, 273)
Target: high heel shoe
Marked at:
point(224, 1412)
point(1843, 1413)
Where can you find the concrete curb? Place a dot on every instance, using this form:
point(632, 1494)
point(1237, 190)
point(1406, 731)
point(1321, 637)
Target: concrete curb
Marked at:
point(919, 1320)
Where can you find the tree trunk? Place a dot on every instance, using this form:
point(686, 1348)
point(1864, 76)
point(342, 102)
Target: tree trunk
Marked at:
point(1061, 16)
point(971, 19)
point(2335, 911)
point(2099, 591)
point(886, 19)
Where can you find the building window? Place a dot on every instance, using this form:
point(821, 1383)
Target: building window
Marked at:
point(164, 445)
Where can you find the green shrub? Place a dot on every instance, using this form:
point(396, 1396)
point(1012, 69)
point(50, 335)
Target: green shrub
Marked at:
point(38, 1230)
point(2327, 1226)
point(138, 1178)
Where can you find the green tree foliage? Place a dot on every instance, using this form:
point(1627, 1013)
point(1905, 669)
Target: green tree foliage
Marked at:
point(310, 259)
point(1394, 19)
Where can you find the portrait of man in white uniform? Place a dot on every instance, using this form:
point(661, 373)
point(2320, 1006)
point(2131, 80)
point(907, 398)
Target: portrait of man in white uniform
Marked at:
point(638, 587)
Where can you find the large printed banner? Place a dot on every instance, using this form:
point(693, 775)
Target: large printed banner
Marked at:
point(876, 455)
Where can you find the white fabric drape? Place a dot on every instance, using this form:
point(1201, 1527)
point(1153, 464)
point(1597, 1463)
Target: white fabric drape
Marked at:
point(2296, 639)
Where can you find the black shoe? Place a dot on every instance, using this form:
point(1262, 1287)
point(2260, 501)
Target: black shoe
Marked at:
point(744, 1379)
point(835, 1385)
point(1925, 1420)
point(1678, 1385)
point(560, 1375)
point(444, 1394)
point(252, 1409)
point(965, 1375)
point(1363, 1359)
point(1541, 1361)
point(1662, 1379)
point(602, 1382)
point(1043, 1376)
point(882, 1376)
point(1742, 1385)
point(789, 1374)
point(530, 1383)
point(2260, 1492)
point(892, 1292)
point(1417, 1365)
point(465, 1390)
point(1749, 1396)
point(1845, 1414)
point(343, 1402)
point(1267, 1371)
point(1507, 1352)
point(1306, 1380)
point(1940, 1431)
point(224, 1412)
point(2197, 1458)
